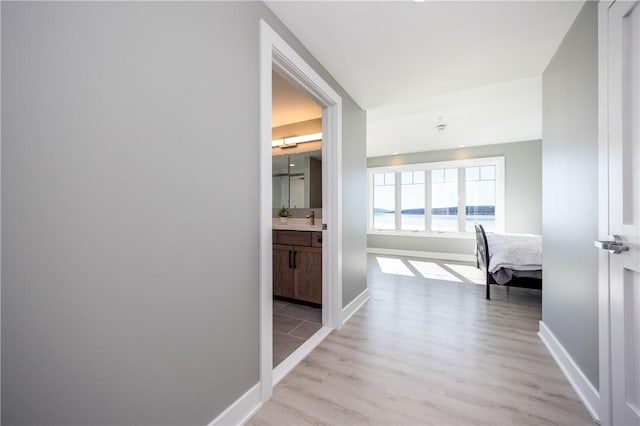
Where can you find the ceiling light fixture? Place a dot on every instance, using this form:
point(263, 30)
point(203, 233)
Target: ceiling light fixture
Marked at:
point(441, 126)
point(294, 140)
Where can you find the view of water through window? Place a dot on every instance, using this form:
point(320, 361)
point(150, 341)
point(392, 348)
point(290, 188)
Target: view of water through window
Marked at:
point(477, 189)
point(439, 223)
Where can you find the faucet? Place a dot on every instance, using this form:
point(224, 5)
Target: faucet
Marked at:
point(312, 218)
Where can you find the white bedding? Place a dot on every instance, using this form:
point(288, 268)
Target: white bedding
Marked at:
point(518, 252)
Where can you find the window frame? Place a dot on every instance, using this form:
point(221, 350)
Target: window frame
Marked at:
point(460, 165)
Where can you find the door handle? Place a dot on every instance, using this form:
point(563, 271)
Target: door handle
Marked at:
point(614, 245)
point(290, 263)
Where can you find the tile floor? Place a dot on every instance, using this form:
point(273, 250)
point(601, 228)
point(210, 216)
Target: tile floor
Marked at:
point(292, 325)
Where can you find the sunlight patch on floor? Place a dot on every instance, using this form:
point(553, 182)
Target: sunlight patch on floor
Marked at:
point(393, 266)
point(470, 272)
point(431, 270)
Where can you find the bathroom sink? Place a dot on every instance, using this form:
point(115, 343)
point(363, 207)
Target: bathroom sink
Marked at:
point(297, 224)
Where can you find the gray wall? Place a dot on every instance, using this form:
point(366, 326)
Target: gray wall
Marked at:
point(570, 198)
point(523, 193)
point(128, 296)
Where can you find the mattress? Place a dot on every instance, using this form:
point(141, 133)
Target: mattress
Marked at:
point(514, 255)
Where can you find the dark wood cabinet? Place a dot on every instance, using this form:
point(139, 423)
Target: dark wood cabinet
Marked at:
point(308, 274)
point(297, 265)
point(283, 273)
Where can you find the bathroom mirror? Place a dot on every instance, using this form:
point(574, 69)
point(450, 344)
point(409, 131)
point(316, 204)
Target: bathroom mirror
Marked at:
point(297, 180)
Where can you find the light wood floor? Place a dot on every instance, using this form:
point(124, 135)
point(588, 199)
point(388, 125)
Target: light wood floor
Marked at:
point(426, 351)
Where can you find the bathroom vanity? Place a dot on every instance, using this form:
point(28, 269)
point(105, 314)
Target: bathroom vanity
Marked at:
point(297, 263)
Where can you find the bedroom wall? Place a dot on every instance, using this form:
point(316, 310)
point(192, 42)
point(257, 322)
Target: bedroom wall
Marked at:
point(128, 295)
point(523, 194)
point(569, 193)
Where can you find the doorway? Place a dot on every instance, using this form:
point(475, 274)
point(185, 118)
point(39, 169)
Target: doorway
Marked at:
point(277, 55)
point(296, 121)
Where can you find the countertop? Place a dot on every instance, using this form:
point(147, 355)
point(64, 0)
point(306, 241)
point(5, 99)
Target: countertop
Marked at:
point(295, 224)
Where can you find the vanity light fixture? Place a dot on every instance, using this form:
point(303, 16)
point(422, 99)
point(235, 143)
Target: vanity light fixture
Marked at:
point(295, 140)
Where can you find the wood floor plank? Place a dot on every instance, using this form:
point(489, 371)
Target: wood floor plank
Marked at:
point(430, 352)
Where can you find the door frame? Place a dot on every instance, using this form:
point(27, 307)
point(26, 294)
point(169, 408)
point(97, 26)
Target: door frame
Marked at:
point(604, 353)
point(275, 53)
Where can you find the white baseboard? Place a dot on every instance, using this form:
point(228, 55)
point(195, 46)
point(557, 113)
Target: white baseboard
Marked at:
point(241, 410)
point(423, 254)
point(285, 367)
point(581, 384)
point(354, 305)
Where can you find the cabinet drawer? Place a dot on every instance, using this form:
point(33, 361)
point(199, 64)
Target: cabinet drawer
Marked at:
point(316, 239)
point(295, 238)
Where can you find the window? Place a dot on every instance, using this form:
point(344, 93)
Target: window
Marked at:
point(384, 201)
point(481, 197)
point(444, 200)
point(412, 201)
point(441, 197)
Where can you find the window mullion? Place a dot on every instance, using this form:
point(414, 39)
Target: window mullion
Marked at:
point(427, 200)
point(371, 201)
point(398, 209)
point(462, 199)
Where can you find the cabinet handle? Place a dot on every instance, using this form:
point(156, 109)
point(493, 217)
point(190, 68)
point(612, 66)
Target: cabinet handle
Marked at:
point(295, 259)
point(290, 263)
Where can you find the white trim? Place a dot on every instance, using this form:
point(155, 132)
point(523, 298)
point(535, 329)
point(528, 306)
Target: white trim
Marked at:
point(285, 367)
point(448, 164)
point(425, 234)
point(265, 256)
point(584, 388)
point(0, 222)
point(241, 410)
point(457, 257)
point(353, 306)
point(606, 415)
point(276, 54)
point(332, 214)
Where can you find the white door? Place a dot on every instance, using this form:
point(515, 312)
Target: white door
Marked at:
point(623, 136)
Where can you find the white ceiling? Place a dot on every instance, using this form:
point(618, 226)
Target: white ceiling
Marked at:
point(400, 59)
point(500, 113)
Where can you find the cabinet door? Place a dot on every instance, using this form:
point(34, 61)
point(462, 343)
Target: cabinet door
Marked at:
point(308, 274)
point(283, 271)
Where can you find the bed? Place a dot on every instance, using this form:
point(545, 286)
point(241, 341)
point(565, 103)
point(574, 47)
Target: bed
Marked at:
point(509, 259)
